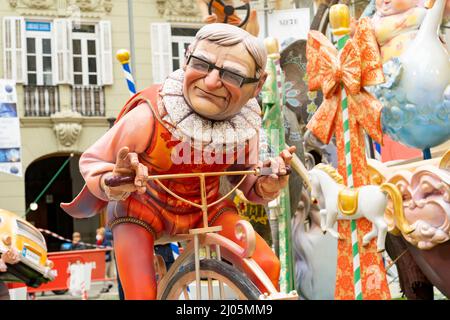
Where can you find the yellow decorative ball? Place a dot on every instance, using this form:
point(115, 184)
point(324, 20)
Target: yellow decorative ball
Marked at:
point(340, 19)
point(123, 56)
point(272, 46)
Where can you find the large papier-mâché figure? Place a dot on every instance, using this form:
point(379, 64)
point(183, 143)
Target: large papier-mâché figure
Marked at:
point(203, 118)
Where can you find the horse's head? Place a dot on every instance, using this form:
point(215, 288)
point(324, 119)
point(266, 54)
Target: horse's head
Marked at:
point(316, 189)
point(323, 175)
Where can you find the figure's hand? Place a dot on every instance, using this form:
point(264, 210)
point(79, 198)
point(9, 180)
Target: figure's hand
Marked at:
point(127, 164)
point(3, 267)
point(211, 18)
point(11, 256)
point(270, 186)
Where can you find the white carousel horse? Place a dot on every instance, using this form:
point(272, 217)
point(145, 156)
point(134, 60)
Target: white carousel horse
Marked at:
point(339, 202)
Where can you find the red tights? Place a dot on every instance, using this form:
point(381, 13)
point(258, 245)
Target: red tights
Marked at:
point(133, 247)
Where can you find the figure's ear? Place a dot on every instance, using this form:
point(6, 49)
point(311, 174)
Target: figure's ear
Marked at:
point(259, 87)
point(186, 55)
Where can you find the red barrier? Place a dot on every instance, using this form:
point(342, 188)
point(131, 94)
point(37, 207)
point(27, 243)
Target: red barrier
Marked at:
point(64, 259)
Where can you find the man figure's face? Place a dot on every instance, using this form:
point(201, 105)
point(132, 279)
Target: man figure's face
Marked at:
point(211, 96)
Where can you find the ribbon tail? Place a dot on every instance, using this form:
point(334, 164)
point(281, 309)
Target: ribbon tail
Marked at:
point(367, 111)
point(322, 124)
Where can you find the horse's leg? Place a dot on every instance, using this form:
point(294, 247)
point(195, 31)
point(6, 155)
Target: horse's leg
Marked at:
point(382, 231)
point(331, 220)
point(371, 234)
point(323, 220)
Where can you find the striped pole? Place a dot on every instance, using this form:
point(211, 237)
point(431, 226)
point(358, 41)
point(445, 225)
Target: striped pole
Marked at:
point(341, 15)
point(123, 56)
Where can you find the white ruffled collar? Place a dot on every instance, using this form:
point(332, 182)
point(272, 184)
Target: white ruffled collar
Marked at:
point(187, 125)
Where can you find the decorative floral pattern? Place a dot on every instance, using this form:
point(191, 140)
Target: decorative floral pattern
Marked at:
point(357, 66)
point(291, 94)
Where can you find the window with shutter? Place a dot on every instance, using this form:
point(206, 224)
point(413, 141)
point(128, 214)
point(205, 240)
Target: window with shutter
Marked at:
point(161, 51)
point(14, 48)
point(106, 52)
point(39, 54)
point(63, 57)
point(181, 39)
point(85, 56)
point(88, 74)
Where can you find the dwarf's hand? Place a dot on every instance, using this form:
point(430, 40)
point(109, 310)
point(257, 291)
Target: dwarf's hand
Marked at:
point(211, 18)
point(11, 256)
point(269, 186)
point(127, 164)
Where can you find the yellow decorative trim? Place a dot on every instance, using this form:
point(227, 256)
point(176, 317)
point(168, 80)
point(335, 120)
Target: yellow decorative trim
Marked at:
point(332, 172)
point(397, 200)
point(445, 161)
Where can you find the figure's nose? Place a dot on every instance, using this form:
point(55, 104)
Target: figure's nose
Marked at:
point(212, 80)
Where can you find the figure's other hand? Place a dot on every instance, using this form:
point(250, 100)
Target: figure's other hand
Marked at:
point(252, 25)
point(211, 18)
point(269, 187)
point(11, 256)
point(127, 164)
point(3, 267)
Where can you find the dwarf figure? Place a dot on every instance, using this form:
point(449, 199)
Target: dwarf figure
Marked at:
point(252, 25)
point(396, 23)
point(204, 118)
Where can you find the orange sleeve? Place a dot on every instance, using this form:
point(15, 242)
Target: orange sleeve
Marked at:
point(134, 131)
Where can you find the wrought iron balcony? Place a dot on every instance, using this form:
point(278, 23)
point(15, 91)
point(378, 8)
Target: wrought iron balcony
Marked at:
point(88, 100)
point(41, 101)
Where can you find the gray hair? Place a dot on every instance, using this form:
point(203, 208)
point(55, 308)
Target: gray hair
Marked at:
point(228, 35)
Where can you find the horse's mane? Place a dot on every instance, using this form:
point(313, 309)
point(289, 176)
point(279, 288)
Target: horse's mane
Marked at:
point(331, 171)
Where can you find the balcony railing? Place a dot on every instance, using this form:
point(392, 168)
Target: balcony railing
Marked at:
point(41, 101)
point(88, 100)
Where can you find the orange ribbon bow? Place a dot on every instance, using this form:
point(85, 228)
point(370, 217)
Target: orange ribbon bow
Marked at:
point(358, 65)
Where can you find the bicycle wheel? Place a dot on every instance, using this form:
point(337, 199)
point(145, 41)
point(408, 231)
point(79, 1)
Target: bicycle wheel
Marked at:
point(236, 284)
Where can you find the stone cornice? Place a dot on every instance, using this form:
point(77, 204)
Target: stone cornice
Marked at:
point(179, 11)
point(63, 8)
point(47, 122)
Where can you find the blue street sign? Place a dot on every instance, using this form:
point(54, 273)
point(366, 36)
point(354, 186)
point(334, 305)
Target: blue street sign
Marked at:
point(38, 26)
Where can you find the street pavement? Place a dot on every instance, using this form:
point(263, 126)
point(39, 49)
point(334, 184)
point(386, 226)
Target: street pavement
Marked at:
point(93, 294)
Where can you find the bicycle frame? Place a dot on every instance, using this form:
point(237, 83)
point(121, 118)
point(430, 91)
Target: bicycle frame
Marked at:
point(206, 237)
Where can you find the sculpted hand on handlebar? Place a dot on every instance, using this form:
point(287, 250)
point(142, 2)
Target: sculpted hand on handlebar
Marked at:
point(269, 187)
point(127, 164)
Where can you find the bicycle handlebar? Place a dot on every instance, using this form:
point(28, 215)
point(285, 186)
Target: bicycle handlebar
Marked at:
point(115, 181)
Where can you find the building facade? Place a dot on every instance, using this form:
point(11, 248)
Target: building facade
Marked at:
point(60, 53)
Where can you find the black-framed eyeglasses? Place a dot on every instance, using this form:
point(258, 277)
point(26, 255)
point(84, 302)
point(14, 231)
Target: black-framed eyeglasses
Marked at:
point(227, 76)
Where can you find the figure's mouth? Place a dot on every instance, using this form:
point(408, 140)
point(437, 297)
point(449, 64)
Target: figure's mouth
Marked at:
point(211, 94)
